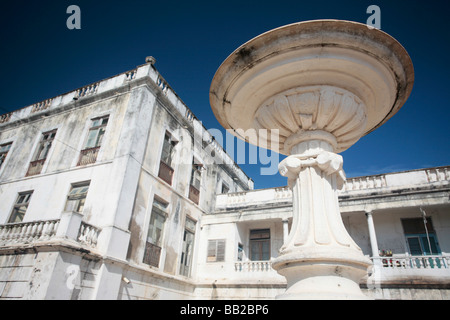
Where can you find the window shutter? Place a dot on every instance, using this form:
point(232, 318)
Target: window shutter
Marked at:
point(211, 251)
point(220, 250)
point(216, 250)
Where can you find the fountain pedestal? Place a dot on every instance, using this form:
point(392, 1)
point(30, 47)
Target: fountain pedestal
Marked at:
point(319, 259)
point(322, 85)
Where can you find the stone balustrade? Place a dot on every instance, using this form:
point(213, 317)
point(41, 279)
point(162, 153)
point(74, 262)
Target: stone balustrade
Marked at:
point(363, 183)
point(115, 82)
point(27, 232)
point(5, 117)
point(24, 233)
point(404, 262)
point(42, 105)
point(88, 235)
point(369, 184)
point(414, 262)
point(253, 266)
point(131, 75)
point(87, 90)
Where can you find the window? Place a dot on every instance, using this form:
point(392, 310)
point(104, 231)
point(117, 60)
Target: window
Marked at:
point(94, 141)
point(39, 158)
point(4, 149)
point(155, 233)
point(20, 208)
point(168, 149)
point(194, 187)
point(97, 132)
point(216, 250)
point(420, 236)
point(77, 198)
point(260, 245)
point(225, 188)
point(188, 247)
point(240, 256)
point(165, 169)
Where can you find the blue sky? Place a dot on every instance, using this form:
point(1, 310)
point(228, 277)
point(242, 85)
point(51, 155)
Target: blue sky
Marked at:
point(41, 58)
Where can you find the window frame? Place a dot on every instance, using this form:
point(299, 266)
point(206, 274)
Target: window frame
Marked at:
point(4, 154)
point(225, 188)
point(260, 241)
point(38, 160)
point(17, 205)
point(98, 129)
point(153, 246)
point(78, 199)
point(422, 236)
point(218, 248)
point(167, 156)
point(41, 146)
point(187, 250)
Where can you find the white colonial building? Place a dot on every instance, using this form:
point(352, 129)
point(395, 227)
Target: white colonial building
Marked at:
point(117, 191)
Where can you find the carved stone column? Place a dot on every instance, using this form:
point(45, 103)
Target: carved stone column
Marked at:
point(372, 235)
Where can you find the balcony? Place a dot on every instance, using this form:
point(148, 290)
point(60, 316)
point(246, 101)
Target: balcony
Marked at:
point(152, 254)
point(413, 262)
point(35, 167)
point(404, 269)
point(194, 194)
point(253, 266)
point(88, 156)
point(165, 172)
point(69, 226)
point(27, 232)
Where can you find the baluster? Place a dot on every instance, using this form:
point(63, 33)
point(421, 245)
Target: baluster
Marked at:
point(88, 235)
point(3, 233)
point(94, 238)
point(45, 230)
point(55, 225)
point(7, 236)
point(91, 236)
point(34, 231)
point(48, 232)
point(39, 230)
point(23, 235)
point(349, 185)
point(15, 233)
point(82, 232)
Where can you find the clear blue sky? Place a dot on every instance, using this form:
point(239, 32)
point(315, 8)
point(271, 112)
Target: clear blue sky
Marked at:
point(41, 58)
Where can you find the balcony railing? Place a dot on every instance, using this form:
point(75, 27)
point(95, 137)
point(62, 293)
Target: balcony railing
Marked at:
point(387, 263)
point(16, 234)
point(88, 234)
point(253, 266)
point(165, 172)
point(152, 254)
point(88, 156)
point(27, 232)
point(35, 167)
point(194, 194)
point(414, 262)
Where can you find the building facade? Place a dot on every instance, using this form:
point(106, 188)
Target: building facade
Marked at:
point(117, 191)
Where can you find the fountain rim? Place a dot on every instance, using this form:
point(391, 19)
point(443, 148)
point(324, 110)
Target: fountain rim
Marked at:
point(404, 88)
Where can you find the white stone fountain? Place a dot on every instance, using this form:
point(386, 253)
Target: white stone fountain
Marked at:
point(323, 85)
